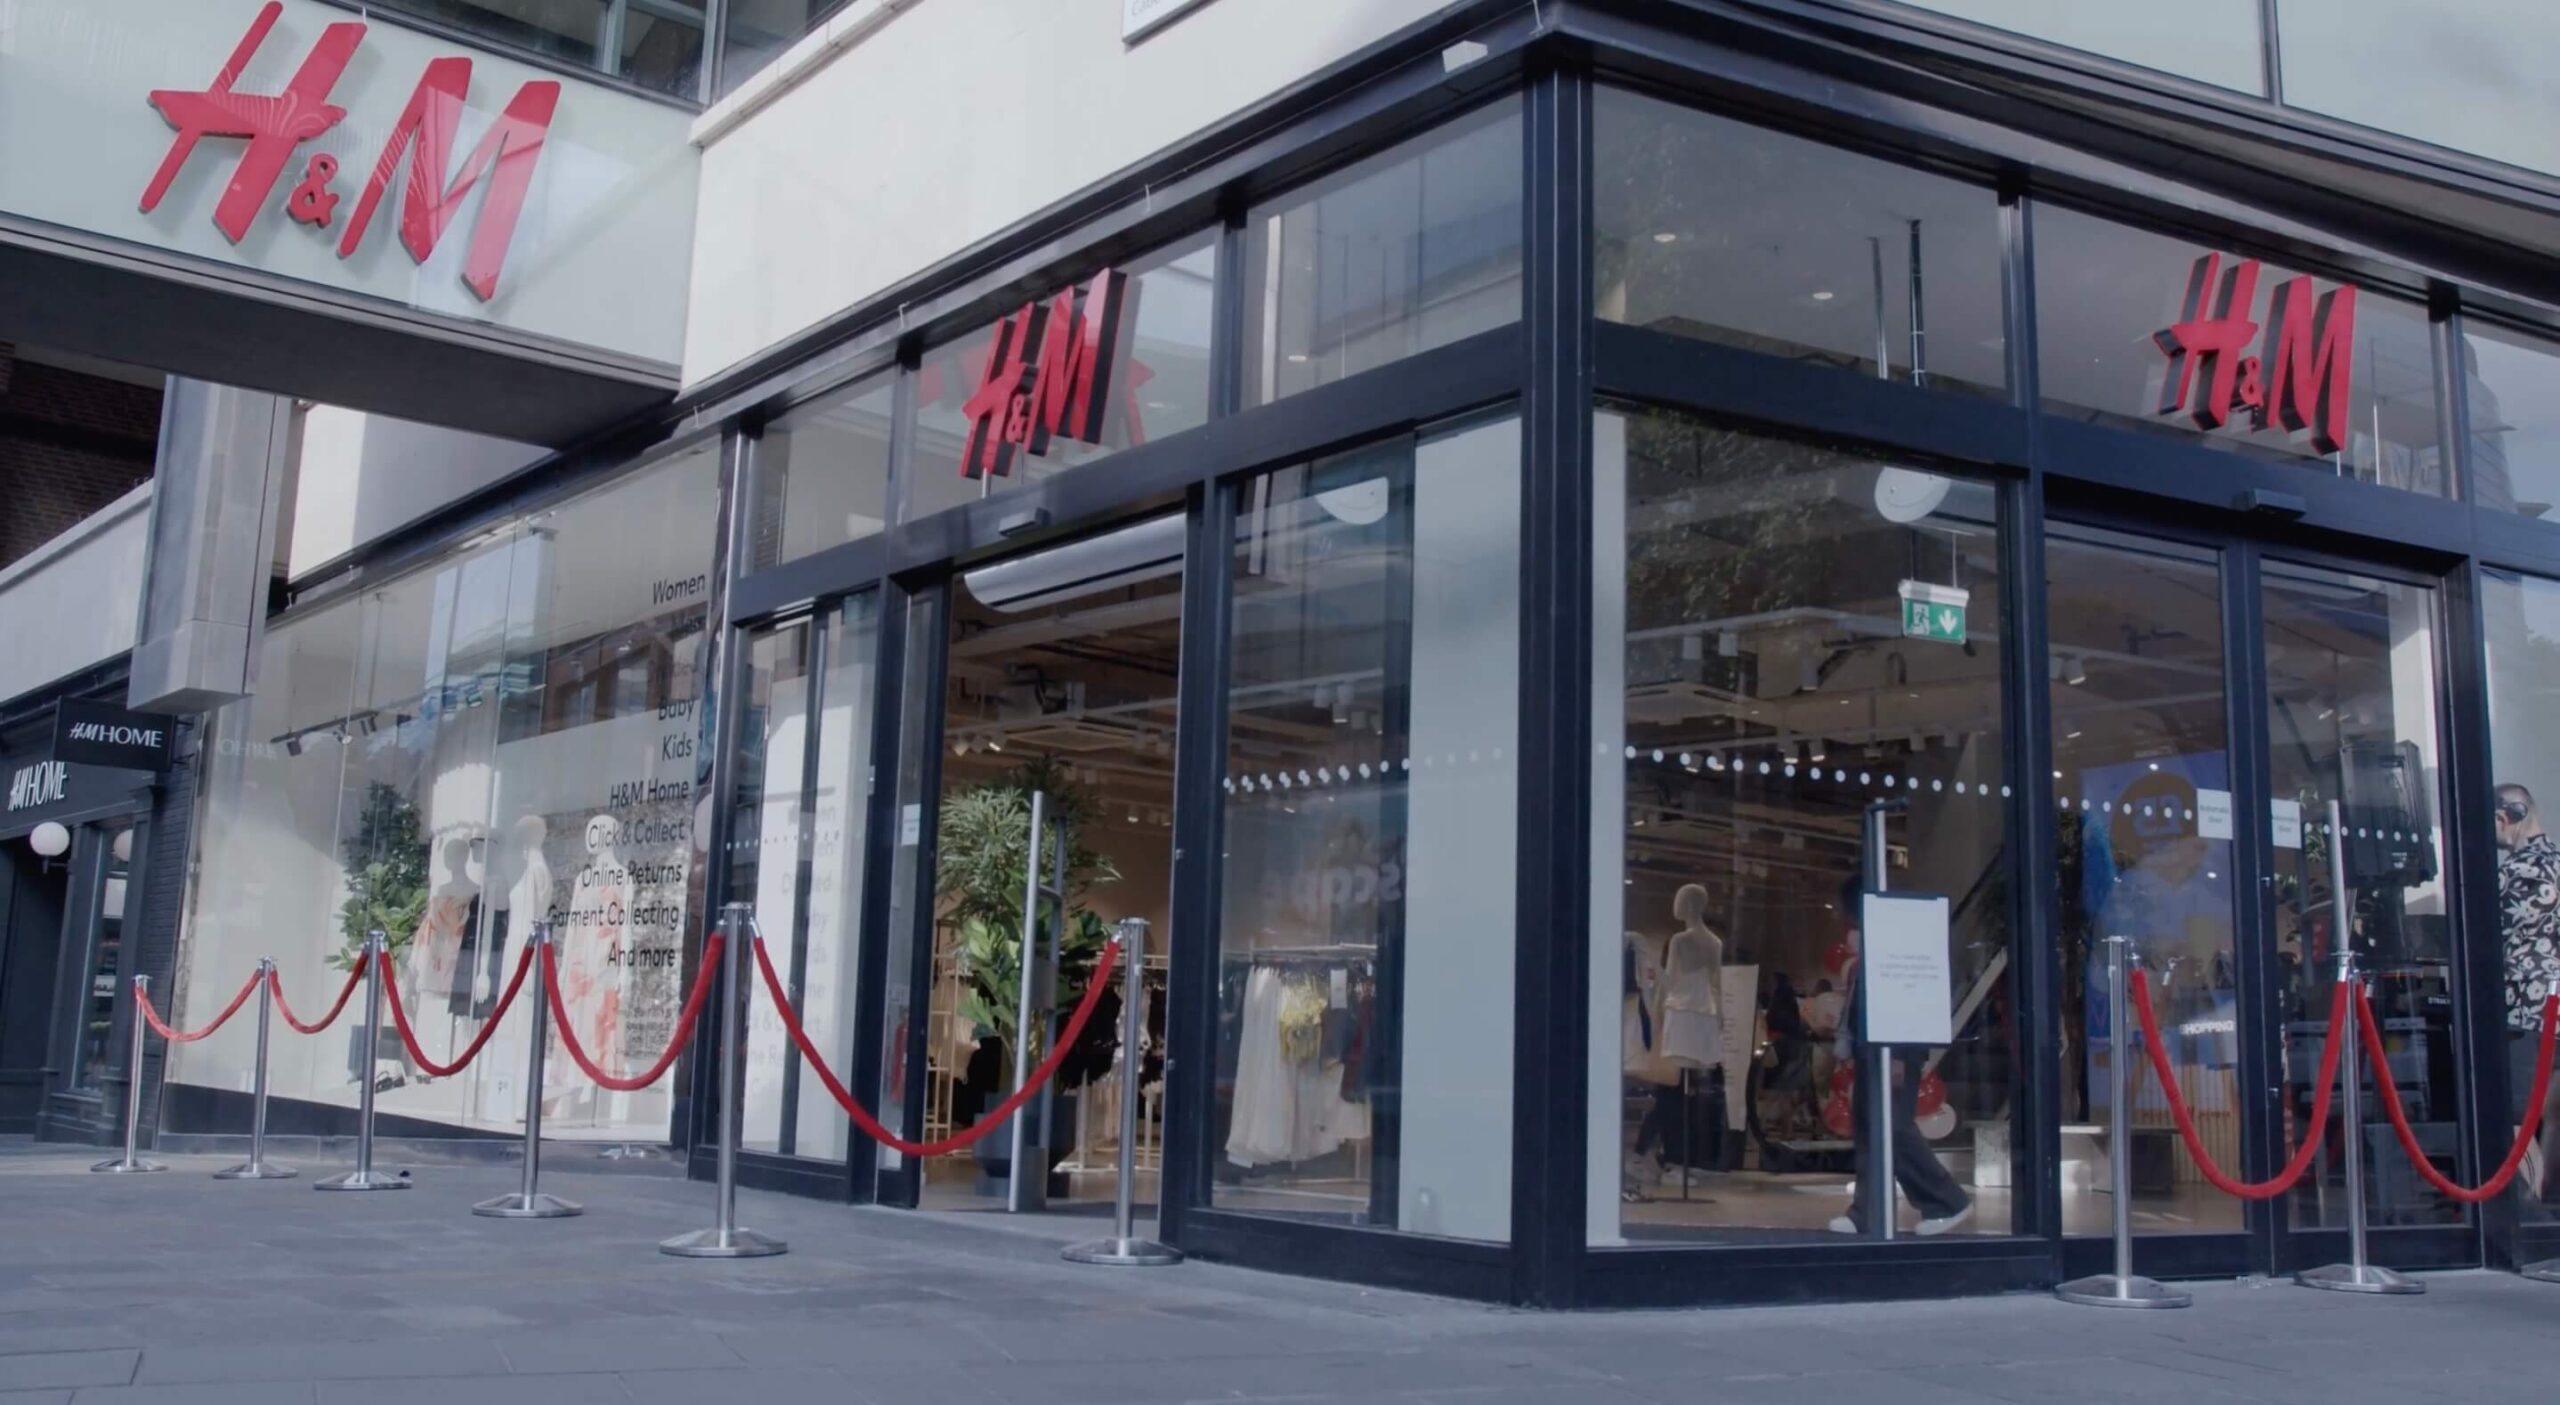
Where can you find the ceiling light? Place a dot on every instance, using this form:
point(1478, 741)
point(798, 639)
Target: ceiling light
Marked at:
point(1666, 237)
point(1819, 750)
point(2075, 672)
point(1823, 295)
point(995, 741)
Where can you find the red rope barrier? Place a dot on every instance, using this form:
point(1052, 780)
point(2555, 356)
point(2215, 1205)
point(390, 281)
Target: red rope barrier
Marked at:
point(276, 984)
point(702, 983)
point(987, 1122)
point(142, 1002)
point(417, 1055)
point(2497, 1184)
point(2311, 1137)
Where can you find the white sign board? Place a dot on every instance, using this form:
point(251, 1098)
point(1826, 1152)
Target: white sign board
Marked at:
point(1140, 18)
point(2213, 814)
point(2286, 821)
point(1909, 986)
point(146, 121)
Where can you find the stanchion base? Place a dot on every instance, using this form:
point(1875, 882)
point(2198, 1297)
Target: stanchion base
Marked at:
point(361, 1180)
point(710, 1244)
point(256, 1172)
point(516, 1205)
point(1132, 1253)
point(2347, 1278)
point(122, 1167)
point(2547, 1271)
point(2107, 1290)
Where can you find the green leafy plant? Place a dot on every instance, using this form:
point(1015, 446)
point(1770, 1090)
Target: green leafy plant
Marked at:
point(985, 849)
point(386, 875)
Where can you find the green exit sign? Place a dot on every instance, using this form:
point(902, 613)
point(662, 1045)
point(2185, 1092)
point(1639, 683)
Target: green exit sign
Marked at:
point(1934, 612)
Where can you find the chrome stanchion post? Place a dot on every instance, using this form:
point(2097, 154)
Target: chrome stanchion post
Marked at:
point(2120, 1288)
point(1124, 1246)
point(376, 947)
point(131, 1163)
point(2356, 1275)
point(724, 1240)
point(1027, 1184)
point(256, 1167)
point(529, 1202)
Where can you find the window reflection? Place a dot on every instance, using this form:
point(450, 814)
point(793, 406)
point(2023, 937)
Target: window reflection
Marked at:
point(1412, 249)
point(2513, 388)
point(1757, 683)
point(1727, 232)
point(2351, 718)
point(2142, 764)
point(2521, 619)
point(1365, 947)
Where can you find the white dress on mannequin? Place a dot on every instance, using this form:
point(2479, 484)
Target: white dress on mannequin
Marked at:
point(1692, 1032)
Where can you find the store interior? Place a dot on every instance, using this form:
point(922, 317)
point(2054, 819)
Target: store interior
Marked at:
point(1061, 683)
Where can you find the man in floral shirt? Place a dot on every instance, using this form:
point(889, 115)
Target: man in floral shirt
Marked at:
point(2529, 918)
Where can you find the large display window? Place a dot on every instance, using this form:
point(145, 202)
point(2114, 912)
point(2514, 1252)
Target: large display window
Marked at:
point(509, 735)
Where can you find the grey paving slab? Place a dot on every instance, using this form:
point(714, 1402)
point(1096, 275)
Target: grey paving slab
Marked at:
point(35, 1397)
point(46, 1369)
point(477, 1390)
point(815, 1384)
point(195, 1291)
point(200, 1393)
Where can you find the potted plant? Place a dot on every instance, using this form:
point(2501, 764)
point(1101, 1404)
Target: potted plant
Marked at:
point(985, 851)
point(386, 889)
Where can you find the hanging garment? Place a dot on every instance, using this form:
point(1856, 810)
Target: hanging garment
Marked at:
point(434, 965)
point(1258, 1128)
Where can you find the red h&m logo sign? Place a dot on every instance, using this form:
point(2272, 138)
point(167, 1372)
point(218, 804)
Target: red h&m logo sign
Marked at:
point(1048, 373)
point(2301, 378)
point(274, 125)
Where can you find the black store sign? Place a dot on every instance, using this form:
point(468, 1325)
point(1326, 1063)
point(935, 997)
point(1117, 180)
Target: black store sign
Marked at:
point(97, 734)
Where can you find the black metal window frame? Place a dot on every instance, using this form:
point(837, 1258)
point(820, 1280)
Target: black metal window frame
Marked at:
point(1556, 364)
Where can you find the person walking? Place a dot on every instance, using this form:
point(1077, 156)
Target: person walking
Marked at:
point(2529, 929)
point(1942, 1203)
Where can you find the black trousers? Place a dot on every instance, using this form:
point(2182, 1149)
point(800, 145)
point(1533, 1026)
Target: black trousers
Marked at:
point(1933, 1192)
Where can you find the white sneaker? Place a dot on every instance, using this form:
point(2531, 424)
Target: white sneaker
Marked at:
point(1842, 1224)
point(1943, 1223)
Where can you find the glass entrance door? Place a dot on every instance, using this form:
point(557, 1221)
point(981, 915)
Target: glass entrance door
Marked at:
point(2195, 786)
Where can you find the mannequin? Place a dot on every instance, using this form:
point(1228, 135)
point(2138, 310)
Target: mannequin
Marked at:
point(1692, 1033)
point(528, 902)
point(591, 944)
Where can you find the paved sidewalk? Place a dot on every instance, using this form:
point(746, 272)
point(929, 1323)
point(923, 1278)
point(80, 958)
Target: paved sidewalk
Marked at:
point(178, 1288)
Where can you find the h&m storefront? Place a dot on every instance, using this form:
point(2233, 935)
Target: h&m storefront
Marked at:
point(1465, 547)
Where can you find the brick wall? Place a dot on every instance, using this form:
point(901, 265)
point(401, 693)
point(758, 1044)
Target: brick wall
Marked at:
point(69, 445)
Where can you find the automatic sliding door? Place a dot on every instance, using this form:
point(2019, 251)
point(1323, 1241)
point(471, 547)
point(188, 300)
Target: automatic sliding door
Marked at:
point(2352, 719)
point(2143, 773)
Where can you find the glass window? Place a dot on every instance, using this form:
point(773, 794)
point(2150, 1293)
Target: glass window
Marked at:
point(1716, 229)
point(2212, 41)
point(2141, 743)
point(822, 474)
point(2521, 615)
point(2473, 75)
point(756, 32)
point(97, 999)
point(796, 853)
point(2513, 384)
point(987, 423)
point(507, 736)
point(1414, 248)
point(1365, 1017)
point(654, 43)
point(2351, 721)
point(2151, 331)
point(1759, 680)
